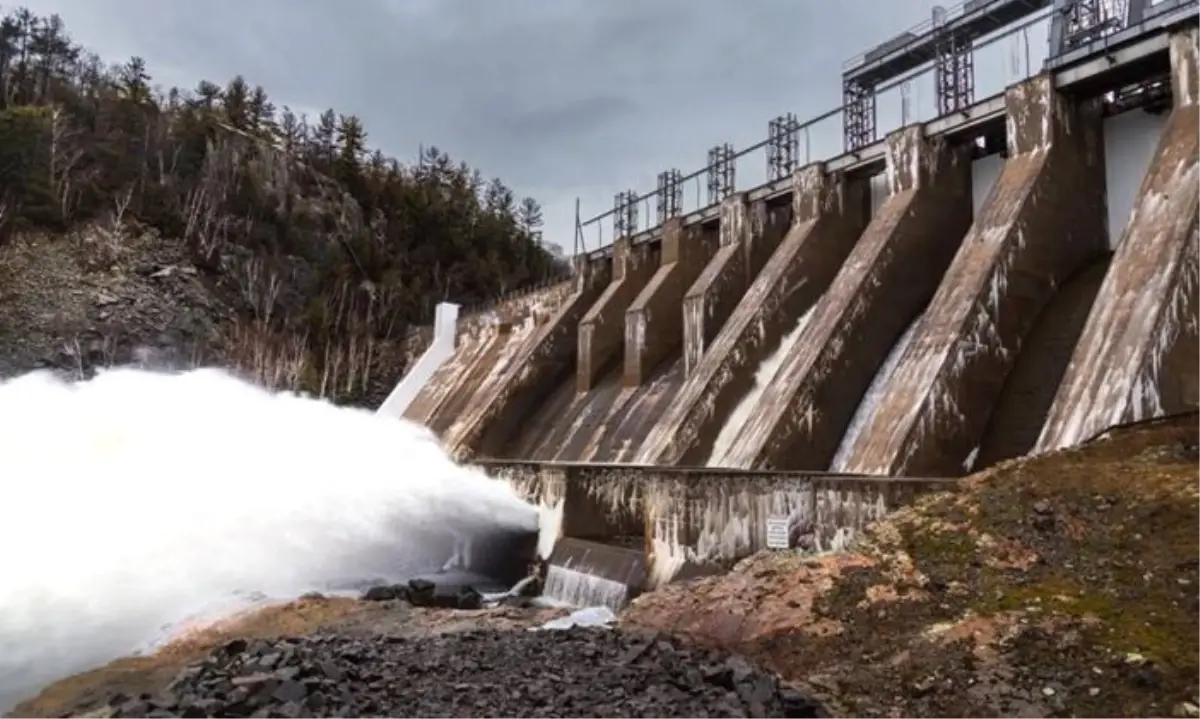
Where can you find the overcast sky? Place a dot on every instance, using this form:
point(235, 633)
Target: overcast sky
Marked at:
point(560, 98)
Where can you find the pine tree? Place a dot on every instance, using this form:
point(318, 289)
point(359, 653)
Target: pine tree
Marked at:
point(221, 165)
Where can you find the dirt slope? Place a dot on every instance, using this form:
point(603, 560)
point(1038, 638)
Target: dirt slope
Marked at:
point(1060, 585)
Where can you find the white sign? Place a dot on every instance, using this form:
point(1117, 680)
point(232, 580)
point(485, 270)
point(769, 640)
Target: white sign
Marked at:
point(778, 533)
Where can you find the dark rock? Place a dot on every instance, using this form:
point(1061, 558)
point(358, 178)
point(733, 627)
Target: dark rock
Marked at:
point(421, 592)
point(1147, 677)
point(580, 672)
point(468, 598)
point(383, 593)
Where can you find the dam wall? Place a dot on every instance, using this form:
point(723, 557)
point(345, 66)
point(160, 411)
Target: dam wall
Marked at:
point(829, 211)
point(419, 373)
point(1042, 222)
point(1137, 356)
point(748, 233)
point(984, 236)
point(537, 365)
point(691, 521)
point(654, 326)
point(485, 345)
point(605, 415)
point(888, 278)
point(602, 331)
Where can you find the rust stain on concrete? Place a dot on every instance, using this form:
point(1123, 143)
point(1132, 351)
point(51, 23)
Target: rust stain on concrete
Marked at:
point(1042, 222)
point(829, 212)
point(602, 329)
point(1137, 357)
point(886, 281)
point(539, 363)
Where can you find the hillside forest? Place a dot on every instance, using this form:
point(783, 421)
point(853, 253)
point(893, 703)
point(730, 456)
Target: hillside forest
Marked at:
point(317, 235)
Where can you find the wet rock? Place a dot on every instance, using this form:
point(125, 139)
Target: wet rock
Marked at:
point(425, 593)
point(384, 593)
point(578, 672)
point(468, 598)
point(421, 592)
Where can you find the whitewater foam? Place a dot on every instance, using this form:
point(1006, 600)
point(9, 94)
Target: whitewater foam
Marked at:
point(137, 501)
point(763, 377)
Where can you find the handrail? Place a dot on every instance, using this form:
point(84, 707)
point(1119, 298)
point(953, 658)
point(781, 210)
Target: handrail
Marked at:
point(1010, 31)
point(919, 31)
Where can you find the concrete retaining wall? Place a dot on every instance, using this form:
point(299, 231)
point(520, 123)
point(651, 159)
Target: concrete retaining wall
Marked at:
point(702, 520)
point(886, 281)
point(1042, 222)
point(1137, 357)
point(829, 212)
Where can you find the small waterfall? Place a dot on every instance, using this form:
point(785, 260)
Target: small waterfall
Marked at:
point(763, 377)
point(580, 589)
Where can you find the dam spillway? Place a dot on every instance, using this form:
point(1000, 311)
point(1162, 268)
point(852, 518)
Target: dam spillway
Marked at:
point(1034, 255)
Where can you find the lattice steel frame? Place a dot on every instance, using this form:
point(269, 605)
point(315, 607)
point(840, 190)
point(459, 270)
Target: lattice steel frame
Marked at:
point(783, 146)
point(954, 73)
point(1082, 21)
point(722, 173)
point(858, 115)
point(669, 198)
point(625, 213)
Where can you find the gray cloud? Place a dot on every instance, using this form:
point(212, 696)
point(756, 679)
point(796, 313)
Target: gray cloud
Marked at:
point(560, 98)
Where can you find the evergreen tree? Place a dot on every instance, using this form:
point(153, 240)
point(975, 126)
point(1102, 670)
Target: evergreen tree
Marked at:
point(219, 168)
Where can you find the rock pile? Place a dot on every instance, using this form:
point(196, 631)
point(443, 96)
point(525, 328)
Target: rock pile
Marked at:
point(580, 672)
point(424, 593)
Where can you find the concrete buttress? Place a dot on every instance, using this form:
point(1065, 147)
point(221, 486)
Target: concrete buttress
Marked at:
point(829, 211)
point(602, 330)
point(654, 322)
point(748, 233)
point(885, 282)
point(542, 361)
point(1137, 356)
point(1042, 222)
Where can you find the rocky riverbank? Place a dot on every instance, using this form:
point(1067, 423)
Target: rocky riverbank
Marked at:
point(386, 657)
point(1060, 585)
point(91, 691)
point(548, 673)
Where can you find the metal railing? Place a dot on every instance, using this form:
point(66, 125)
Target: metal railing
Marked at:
point(912, 35)
point(903, 101)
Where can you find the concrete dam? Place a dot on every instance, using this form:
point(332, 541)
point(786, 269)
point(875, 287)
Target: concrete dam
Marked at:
point(786, 364)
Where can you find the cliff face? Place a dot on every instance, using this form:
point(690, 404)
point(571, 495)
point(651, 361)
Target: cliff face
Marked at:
point(91, 299)
point(95, 298)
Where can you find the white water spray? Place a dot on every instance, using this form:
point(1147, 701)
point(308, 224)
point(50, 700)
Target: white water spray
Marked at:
point(763, 376)
point(137, 501)
point(869, 404)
